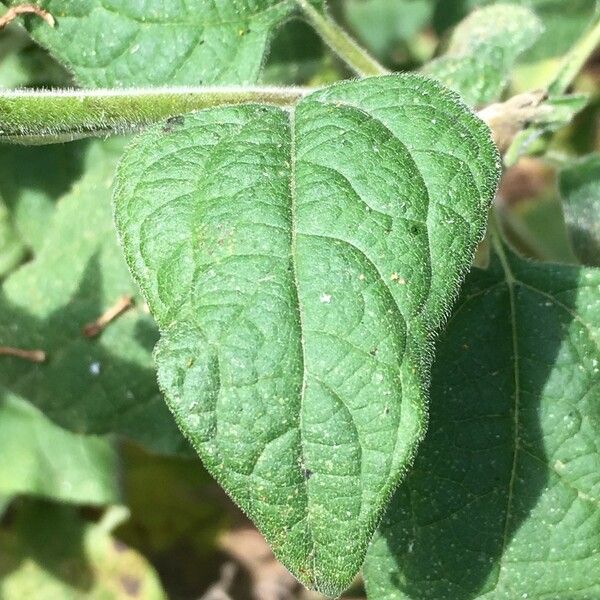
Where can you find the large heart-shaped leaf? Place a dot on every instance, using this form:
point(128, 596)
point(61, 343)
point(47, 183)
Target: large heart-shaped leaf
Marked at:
point(124, 43)
point(503, 500)
point(297, 263)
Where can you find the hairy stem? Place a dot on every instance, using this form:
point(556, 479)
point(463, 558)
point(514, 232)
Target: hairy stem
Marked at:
point(44, 117)
point(356, 57)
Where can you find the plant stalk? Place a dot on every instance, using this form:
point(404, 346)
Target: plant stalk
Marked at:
point(47, 117)
point(354, 55)
point(44, 117)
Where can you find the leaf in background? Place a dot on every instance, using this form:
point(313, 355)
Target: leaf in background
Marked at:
point(12, 251)
point(24, 64)
point(557, 112)
point(51, 553)
point(580, 190)
point(383, 25)
point(31, 178)
point(296, 264)
point(100, 385)
point(563, 22)
point(503, 501)
point(122, 43)
point(39, 458)
point(178, 525)
point(483, 50)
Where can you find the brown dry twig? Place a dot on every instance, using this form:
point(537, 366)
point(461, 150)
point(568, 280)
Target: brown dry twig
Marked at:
point(36, 356)
point(121, 306)
point(25, 9)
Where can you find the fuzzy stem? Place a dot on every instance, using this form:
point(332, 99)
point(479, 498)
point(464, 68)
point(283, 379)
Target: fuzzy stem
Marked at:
point(354, 55)
point(46, 117)
point(43, 117)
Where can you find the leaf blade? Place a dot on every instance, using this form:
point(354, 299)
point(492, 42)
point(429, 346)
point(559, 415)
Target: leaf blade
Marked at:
point(120, 43)
point(285, 326)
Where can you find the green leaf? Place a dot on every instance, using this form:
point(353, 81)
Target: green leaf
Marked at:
point(32, 178)
point(94, 385)
point(24, 64)
point(503, 501)
point(51, 553)
point(123, 43)
point(297, 263)
point(39, 458)
point(562, 24)
point(483, 50)
point(580, 189)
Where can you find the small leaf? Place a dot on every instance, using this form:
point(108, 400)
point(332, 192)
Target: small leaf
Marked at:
point(503, 501)
point(39, 458)
point(94, 385)
point(580, 189)
point(51, 553)
point(562, 27)
point(483, 50)
point(109, 43)
point(297, 264)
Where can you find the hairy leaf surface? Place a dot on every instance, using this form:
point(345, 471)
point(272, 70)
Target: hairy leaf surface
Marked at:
point(297, 264)
point(504, 499)
point(158, 42)
point(483, 50)
point(580, 190)
point(94, 385)
point(41, 459)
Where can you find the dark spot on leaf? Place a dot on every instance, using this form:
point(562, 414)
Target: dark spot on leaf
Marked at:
point(119, 546)
point(172, 123)
point(307, 473)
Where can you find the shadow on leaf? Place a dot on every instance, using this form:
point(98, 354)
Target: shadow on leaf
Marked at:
point(500, 414)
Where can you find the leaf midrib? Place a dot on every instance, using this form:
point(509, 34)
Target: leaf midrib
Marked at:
point(293, 255)
point(510, 283)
